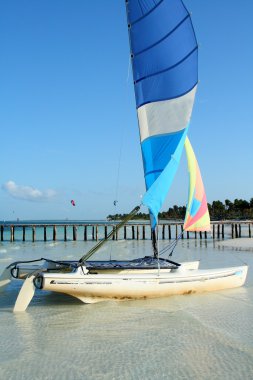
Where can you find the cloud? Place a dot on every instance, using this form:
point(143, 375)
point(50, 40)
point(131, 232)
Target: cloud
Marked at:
point(27, 192)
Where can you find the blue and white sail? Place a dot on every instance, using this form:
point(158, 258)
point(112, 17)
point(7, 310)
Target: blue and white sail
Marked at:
point(164, 55)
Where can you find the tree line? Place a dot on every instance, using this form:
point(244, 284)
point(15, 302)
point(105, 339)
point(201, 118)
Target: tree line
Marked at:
point(238, 209)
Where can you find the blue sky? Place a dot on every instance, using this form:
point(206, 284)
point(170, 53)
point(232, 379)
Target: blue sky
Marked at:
point(67, 109)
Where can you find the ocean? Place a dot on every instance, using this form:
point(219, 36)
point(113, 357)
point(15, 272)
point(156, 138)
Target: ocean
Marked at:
point(201, 336)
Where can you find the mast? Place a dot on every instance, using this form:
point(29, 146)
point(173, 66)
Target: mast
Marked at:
point(154, 243)
point(154, 237)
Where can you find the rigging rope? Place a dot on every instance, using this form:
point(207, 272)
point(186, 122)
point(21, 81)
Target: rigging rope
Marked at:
point(171, 246)
point(123, 132)
point(102, 242)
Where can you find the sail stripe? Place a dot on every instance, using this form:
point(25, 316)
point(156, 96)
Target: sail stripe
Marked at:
point(165, 117)
point(175, 97)
point(154, 25)
point(195, 206)
point(146, 14)
point(157, 192)
point(157, 152)
point(169, 84)
point(168, 68)
point(154, 171)
point(197, 215)
point(163, 38)
point(165, 53)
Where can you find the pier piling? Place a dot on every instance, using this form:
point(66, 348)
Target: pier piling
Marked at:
point(54, 233)
point(33, 233)
point(236, 230)
point(169, 228)
point(143, 233)
point(168, 231)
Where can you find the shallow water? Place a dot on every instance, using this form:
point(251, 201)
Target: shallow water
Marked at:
point(205, 336)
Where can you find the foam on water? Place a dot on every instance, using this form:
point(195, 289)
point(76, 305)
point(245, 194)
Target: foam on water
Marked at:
point(205, 336)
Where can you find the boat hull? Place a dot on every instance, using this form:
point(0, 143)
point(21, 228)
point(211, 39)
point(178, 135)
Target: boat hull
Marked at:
point(91, 288)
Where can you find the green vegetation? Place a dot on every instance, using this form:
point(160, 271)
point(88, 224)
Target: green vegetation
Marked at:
point(239, 209)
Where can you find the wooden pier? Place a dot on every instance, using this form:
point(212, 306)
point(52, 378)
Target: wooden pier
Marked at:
point(136, 231)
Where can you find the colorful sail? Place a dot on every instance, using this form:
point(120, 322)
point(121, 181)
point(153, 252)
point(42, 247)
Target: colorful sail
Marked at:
point(164, 55)
point(197, 215)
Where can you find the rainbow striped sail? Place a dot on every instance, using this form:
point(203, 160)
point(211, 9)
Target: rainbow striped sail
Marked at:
point(197, 216)
point(164, 54)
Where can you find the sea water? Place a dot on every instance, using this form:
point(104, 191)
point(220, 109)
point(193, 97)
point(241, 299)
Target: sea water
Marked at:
point(200, 336)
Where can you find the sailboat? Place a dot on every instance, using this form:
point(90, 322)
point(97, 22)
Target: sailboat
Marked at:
point(164, 55)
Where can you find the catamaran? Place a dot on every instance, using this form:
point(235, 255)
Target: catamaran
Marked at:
point(164, 55)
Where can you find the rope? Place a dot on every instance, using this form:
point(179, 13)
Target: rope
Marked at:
point(42, 258)
point(102, 242)
point(123, 132)
point(171, 246)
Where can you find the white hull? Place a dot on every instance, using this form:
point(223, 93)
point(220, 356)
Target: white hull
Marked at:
point(92, 288)
point(101, 284)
